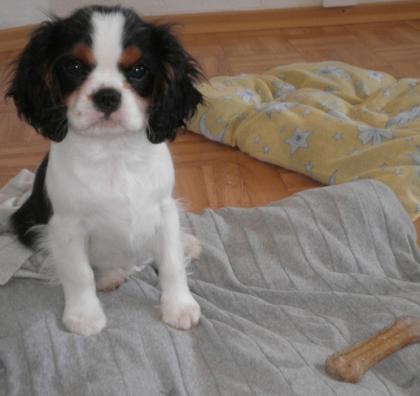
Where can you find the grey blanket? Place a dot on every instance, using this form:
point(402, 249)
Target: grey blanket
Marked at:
point(280, 287)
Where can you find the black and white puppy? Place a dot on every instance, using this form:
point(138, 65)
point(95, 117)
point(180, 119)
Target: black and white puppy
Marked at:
point(108, 90)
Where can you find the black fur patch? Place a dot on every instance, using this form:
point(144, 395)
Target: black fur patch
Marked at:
point(37, 86)
point(36, 210)
point(175, 97)
point(170, 80)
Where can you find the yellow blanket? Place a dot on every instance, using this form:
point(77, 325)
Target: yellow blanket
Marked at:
point(331, 121)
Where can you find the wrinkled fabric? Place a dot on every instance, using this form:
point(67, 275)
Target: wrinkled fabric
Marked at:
point(331, 121)
point(280, 287)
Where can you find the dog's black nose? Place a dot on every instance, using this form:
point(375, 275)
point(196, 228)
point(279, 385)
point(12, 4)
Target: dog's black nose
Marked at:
point(107, 100)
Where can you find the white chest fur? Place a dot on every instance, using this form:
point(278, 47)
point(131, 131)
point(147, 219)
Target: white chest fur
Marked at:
point(114, 187)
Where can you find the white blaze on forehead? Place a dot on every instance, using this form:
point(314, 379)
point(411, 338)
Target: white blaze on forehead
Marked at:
point(107, 48)
point(107, 38)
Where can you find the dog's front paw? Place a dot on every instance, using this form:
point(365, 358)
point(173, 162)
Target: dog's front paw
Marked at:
point(180, 311)
point(85, 321)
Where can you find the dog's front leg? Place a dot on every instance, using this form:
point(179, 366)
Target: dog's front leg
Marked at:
point(179, 309)
point(67, 243)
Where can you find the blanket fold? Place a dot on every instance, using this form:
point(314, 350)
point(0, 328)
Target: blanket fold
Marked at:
point(331, 121)
point(281, 287)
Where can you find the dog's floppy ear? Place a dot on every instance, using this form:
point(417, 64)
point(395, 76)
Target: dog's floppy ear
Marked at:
point(34, 88)
point(175, 97)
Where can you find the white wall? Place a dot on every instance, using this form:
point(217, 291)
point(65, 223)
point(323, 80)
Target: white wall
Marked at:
point(381, 1)
point(162, 7)
point(23, 12)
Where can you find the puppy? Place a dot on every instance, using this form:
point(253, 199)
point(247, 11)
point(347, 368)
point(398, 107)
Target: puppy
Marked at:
point(108, 90)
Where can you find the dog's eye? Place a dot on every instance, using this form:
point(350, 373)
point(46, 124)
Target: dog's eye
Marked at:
point(74, 67)
point(137, 72)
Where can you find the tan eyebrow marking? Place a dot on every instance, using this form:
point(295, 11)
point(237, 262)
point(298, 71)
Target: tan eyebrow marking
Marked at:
point(130, 56)
point(84, 53)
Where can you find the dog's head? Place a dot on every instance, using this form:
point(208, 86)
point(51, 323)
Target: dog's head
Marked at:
point(104, 72)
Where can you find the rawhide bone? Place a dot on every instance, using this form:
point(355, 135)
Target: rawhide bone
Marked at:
point(350, 364)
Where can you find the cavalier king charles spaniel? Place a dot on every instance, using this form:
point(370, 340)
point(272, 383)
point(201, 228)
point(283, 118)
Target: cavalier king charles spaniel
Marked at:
point(108, 89)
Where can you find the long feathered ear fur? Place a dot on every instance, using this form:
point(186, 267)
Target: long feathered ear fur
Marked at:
point(175, 97)
point(33, 86)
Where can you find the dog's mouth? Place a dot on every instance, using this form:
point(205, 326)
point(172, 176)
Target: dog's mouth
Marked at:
point(107, 122)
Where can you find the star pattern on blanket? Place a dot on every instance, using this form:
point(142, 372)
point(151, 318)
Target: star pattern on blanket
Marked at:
point(334, 71)
point(308, 168)
point(298, 140)
point(306, 112)
point(240, 77)
point(404, 118)
point(341, 118)
point(412, 82)
point(266, 150)
point(271, 108)
point(373, 135)
point(218, 136)
point(333, 178)
point(387, 92)
point(248, 96)
point(282, 89)
point(375, 75)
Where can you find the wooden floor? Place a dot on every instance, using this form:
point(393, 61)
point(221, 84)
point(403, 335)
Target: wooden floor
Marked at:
point(212, 175)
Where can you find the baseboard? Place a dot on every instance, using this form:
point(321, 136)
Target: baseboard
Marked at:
point(295, 18)
point(269, 19)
